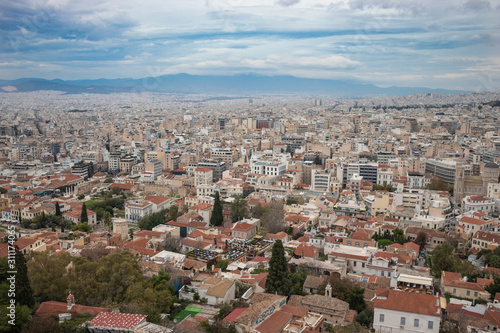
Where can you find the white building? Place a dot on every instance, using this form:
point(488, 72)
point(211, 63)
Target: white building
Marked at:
point(399, 311)
point(478, 203)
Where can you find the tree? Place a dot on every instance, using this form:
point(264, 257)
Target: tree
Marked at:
point(83, 216)
point(421, 240)
point(494, 288)
point(257, 211)
point(443, 259)
point(239, 209)
point(108, 181)
point(278, 279)
point(172, 243)
point(22, 316)
point(217, 217)
point(43, 325)
point(317, 159)
point(272, 220)
point(24, 294)
point(3, 190)
point(384, 242)
point(437, 184)
point(107, 220)
point(85, 227)
point(58, 209)
point(356, 299)
point(173, 212)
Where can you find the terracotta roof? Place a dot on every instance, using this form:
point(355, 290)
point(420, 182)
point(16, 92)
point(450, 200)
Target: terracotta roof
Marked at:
point(157, 200)
point(243, 227)
point(25, 241)
point(52, 308)
point(233, 315)
point(201, 206)
point(409, 302)
point(306, 251)
point(275, 322)
point(220, 289)
point(117, 320)
point(471, 220)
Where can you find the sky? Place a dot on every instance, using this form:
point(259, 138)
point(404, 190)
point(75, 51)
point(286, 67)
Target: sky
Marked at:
point(450, 44)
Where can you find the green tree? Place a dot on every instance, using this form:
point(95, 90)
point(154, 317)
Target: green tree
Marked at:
point(83, 216)
point(494, 288)
point(399, 236)
point(278, 279)
point(384, 242)
point(356, 299)
point(3, 190)
point(24, 294)
point(365, 317)
point(108, 181)
point(239, 209)
point(217, 217)
point(173, 212)
point(43, 325)
point(152, 220)
point(437, 184)
point(22, 316)
point(421, 240)
point(107, 220)
point(58, 209)
point(443, 259)
point(85, 227)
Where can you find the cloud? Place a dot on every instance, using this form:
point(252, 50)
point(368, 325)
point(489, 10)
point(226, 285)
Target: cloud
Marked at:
point(477, 5)
point(410, 41)
point(287, 3)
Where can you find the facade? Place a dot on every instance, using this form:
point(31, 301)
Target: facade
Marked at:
point(478, 203)
point(399, 312)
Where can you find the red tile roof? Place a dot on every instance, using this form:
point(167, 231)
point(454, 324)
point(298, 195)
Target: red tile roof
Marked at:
point(409, 302)
point(52, 308)
point(117, 320)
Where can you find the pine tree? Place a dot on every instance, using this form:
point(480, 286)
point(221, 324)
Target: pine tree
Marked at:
point(278, 279)
point(58, 209)
point(84, 217)
point(217, 217)
point(24, 294)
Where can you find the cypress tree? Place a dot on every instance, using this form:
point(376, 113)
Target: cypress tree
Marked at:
point(58, 209)
point(217, 217)
point(84, 217)
point(24, 293)
point(278, 279)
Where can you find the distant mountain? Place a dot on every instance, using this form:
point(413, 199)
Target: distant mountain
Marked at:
point(216, 85)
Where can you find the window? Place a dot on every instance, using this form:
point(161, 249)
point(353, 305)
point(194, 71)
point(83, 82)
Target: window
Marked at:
point(430, 325)
point(454, 291)
point(468, 292)
point(354, 263)
point(415, 323)
point(382, 317)
point(403, 321)
point(475, 294)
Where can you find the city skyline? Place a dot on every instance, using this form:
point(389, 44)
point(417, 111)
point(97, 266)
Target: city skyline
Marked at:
point(449, 45)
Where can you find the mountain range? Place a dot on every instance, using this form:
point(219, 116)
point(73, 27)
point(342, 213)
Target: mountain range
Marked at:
point(217, 85)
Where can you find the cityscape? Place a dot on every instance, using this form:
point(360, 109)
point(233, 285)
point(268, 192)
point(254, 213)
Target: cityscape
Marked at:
point(217, 172)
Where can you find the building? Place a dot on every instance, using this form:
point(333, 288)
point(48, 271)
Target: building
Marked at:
point(484, 240)
point(203, 176)
point(454, 284)
point(109, 322)
point(478, 203)
point(399, 311)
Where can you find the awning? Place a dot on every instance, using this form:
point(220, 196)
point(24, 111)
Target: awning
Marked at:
point(421, 280)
